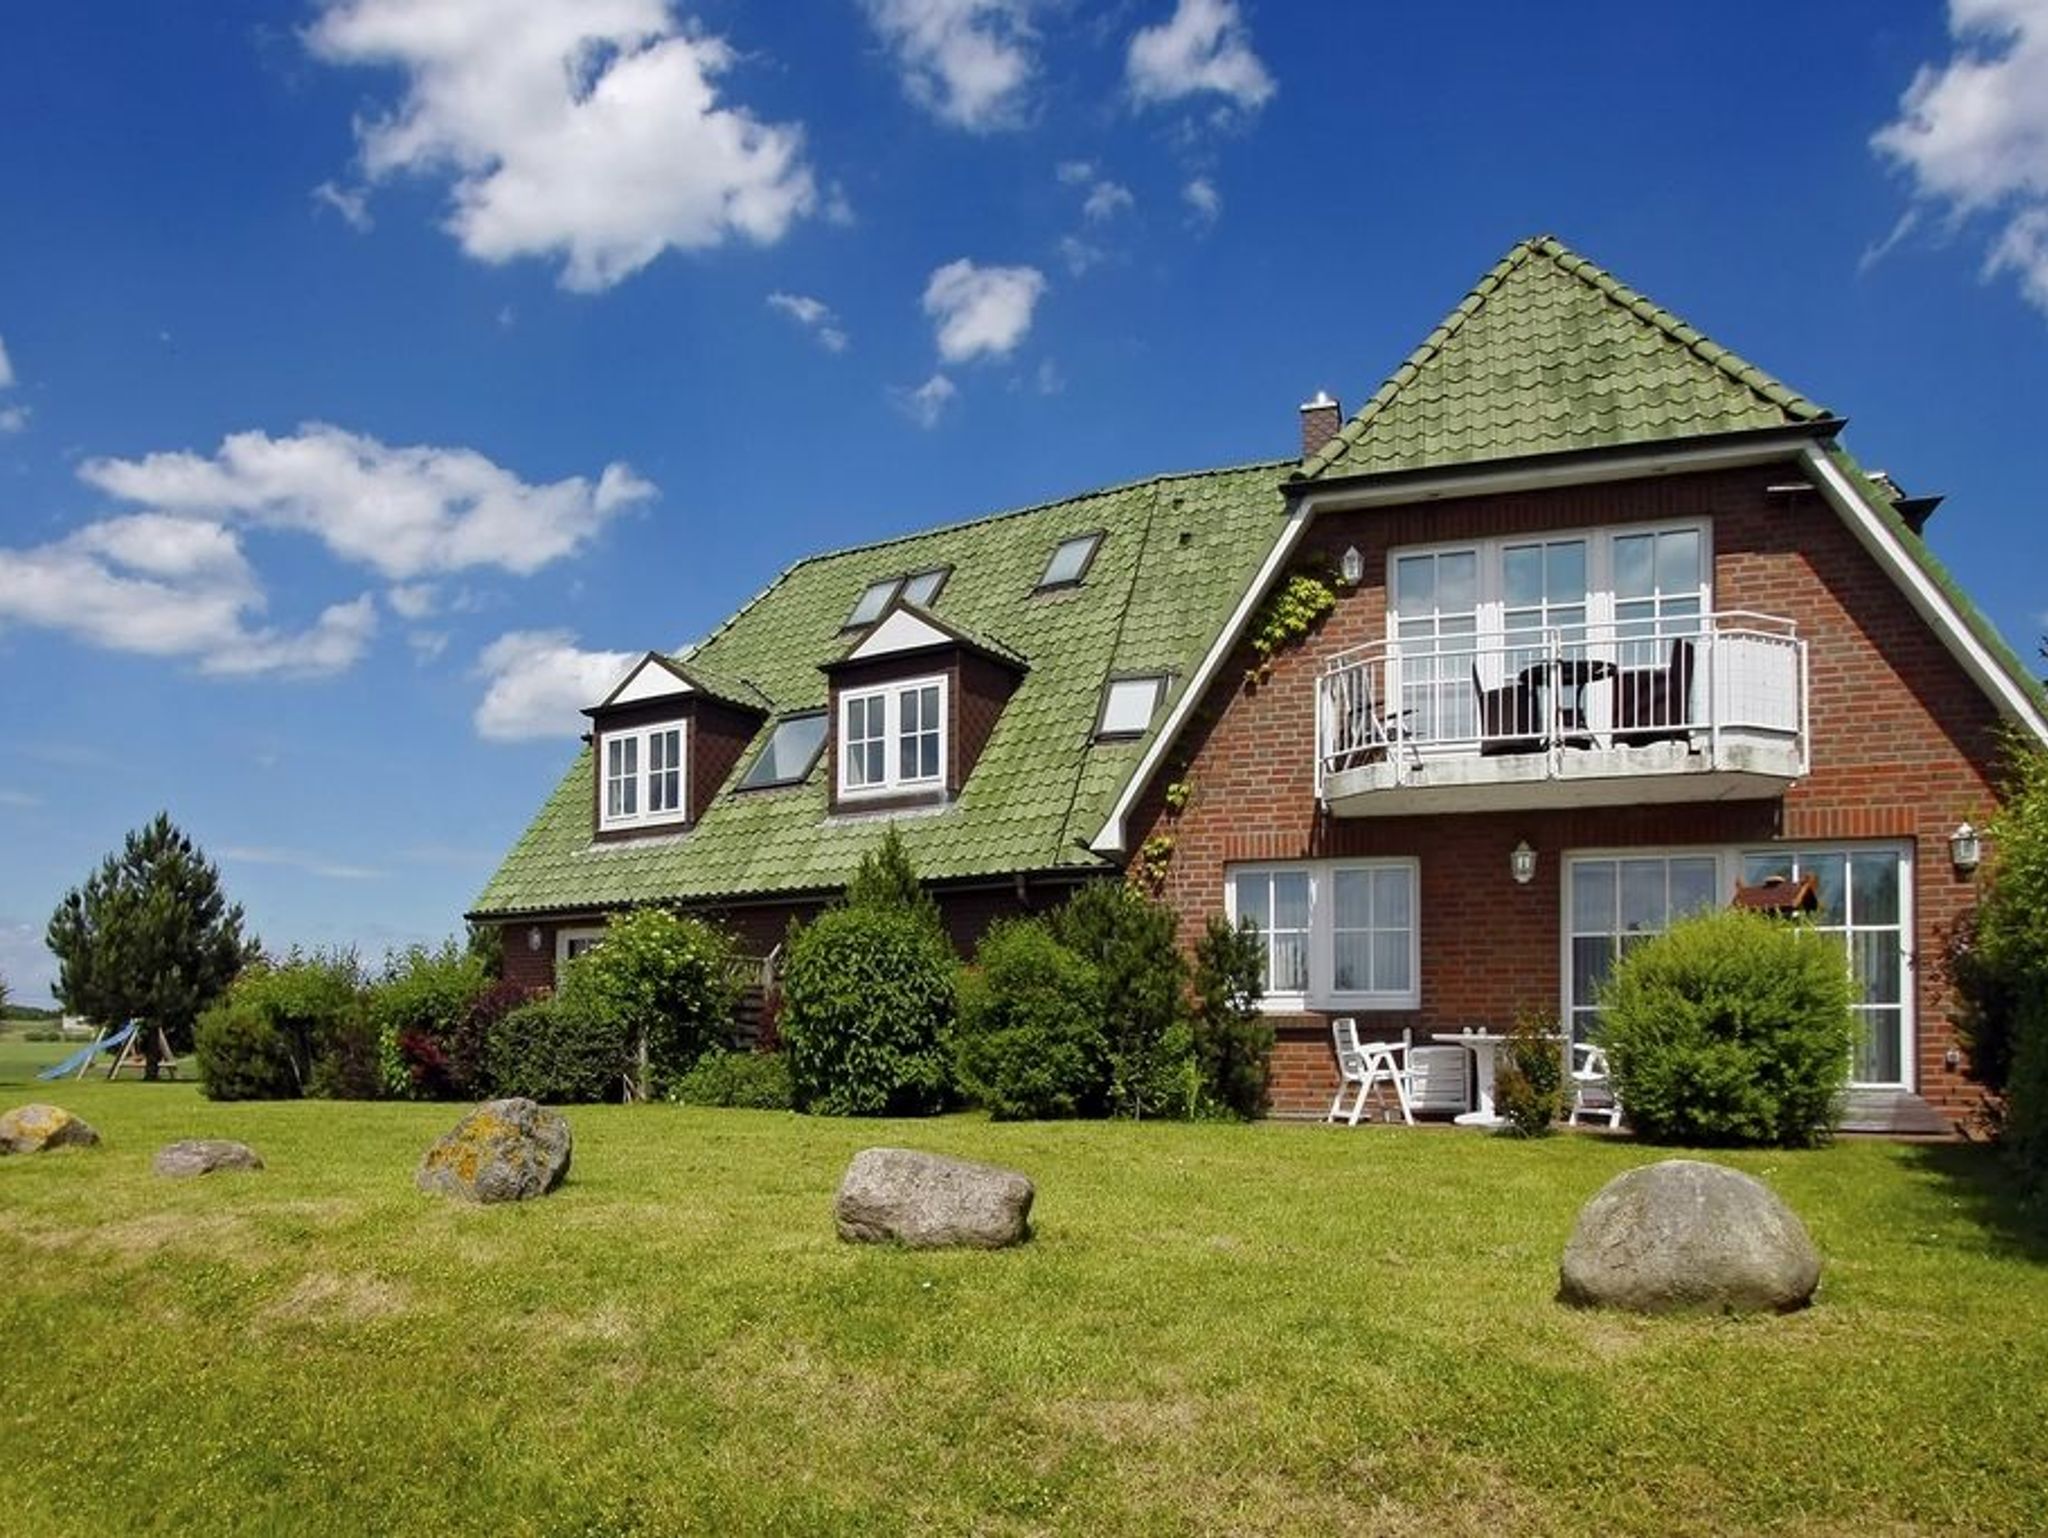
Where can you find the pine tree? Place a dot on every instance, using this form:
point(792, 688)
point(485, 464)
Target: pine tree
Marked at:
point(149, 937)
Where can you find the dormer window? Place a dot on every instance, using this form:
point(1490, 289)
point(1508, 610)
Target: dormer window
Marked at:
point(922, 587)
point(873, 600)
point(1070, 562)
point(643, 776)
point(1128, 705)
point(892, 739)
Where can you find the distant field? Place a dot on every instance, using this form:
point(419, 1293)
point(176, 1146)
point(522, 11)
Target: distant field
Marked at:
point(1217, 1329)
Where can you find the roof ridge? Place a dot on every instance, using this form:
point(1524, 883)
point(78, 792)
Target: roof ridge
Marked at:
point(1601, 282)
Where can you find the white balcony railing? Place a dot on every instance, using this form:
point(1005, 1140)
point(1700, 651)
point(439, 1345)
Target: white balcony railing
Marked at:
point(1563, 693)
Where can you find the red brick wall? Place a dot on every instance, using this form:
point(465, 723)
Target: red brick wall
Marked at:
point(1903, 743)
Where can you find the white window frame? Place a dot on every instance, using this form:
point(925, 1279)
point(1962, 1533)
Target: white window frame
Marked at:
point(1728, 860)
point(643, 777)
point(566, 940)
point(893, 782)
point(1322, 993)
point(1155, 681)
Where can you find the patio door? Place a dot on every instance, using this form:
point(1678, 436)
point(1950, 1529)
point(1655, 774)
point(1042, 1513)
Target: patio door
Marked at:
point(1613, 904)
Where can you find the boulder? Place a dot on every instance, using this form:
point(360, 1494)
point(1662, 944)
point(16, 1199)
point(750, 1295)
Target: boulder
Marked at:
point(38, 1128)
point(503, 1151)
point(204, 1155)
point(927, 1201)
point(1684, 1234)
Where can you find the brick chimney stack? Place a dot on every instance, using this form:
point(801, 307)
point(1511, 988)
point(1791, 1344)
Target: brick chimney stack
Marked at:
point(1320, 419)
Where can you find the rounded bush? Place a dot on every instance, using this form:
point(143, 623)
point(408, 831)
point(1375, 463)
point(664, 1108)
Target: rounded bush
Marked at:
point(551, 1051)
point(867, 1007)
point(666, 981)
point(241, 1055)
point(420, 1006)
point(288, 1028)
point(1730, 1028)
point(1029, 1041)
point(753, 1081)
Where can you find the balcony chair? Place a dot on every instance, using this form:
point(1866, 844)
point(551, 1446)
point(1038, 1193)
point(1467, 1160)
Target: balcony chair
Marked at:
point(1510, 717)
point(1369, 1065)
point(1655, 704)
point(1592, 1089)
point(1374, 734)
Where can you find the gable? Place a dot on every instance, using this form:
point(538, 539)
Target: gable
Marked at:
point(901, 630)
point(650, 679)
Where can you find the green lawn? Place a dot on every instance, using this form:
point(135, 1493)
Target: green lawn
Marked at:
point(1216, 1329)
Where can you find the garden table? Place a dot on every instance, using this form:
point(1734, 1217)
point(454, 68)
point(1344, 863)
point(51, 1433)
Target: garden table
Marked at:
point(1483, 1045)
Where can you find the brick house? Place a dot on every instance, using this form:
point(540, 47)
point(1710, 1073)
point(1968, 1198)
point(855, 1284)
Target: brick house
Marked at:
point(1618, 627)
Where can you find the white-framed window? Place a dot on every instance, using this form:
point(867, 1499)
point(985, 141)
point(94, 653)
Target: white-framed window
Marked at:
point(1339, 934)
point(1614, 900)
point(571, 943)
point(641, 770)
point(1128, 705)
point(892, 739)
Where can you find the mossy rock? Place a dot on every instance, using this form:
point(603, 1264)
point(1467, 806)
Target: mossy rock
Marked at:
point(503, 1151)
point(40, 1128)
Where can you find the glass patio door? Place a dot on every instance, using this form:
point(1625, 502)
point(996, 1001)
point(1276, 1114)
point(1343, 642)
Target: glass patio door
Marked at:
point(1616, 903)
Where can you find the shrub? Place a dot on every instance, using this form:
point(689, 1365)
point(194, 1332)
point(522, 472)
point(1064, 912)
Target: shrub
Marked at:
point(1528, 1086)
point(280, 1022)
point(753, 1081)
point(1029, 1040)
point(1233, 1042)
point(663, 980)
point(350, 1065)
point(420, 1006)
point(1129, 940)
point(2010, 1024)
point(552, 1051)
point(42, 1033)
point(867, 1006)
point(1730, 1028)
point(886, 879)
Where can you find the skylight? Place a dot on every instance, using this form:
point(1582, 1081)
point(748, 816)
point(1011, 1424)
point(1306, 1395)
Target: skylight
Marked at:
point(1128, 705)
point(1069, 563)
point(922, 587)
point(872, 602)
point(792, 749)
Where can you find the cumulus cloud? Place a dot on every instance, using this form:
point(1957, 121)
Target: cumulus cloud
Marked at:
point(589, 130)
point(815, 316)
point(1203, 47)
point(1201, 195)
point(967, 62)
point(412, 600)
point(166, 586)
point(927, 403)
point(981, 311)
point(1106, 200)
point(537, 682)
point(1972, 133)
point(404, 512)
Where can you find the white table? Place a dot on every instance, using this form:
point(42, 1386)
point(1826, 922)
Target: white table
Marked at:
point(1483, 1044)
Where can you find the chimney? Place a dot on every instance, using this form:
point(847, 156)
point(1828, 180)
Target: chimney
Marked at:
point(1320, 419)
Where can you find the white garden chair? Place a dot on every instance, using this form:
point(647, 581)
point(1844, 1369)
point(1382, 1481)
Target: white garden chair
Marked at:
point(1592, 1088)
point(1368, 1066)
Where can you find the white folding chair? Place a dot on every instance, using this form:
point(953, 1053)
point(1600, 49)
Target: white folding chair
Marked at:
point(1592, 1088)
point(1368, 1065)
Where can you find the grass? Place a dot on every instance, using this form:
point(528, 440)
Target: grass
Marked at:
point(1265, 1329)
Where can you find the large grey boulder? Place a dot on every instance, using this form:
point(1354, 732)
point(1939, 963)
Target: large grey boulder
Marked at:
point(204, 1155)
point(1684, 1234)
point(503, 1151)
point(38, 1128)
point(927, 1201)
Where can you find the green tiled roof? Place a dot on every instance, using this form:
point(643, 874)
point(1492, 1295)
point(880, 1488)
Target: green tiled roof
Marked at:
point(1550, 353)
point(1177, 554)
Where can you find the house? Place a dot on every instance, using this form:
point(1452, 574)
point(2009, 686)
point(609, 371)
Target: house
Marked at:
point(1615, 627)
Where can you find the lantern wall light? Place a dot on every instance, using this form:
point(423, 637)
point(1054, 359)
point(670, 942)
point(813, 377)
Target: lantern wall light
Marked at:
point(1522, 863)
point(1966, 848)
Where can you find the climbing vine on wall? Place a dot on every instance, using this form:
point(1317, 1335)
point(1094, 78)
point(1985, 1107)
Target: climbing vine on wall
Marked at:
point(1287, 617)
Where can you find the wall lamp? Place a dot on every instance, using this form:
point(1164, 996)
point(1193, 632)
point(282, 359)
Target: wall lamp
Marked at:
point(1351, 566)
point(1522, 863)
point(1966, 848)
point(533, 939)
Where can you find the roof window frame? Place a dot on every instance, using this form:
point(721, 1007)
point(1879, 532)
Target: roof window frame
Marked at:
point(1095, 538)
point(822, 713)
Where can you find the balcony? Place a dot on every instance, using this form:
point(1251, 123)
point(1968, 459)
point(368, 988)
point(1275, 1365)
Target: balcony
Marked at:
point(1701, 708)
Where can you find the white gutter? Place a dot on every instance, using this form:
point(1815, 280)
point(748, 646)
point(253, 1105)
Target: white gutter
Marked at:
point(1476, 481)
point(1932, 604)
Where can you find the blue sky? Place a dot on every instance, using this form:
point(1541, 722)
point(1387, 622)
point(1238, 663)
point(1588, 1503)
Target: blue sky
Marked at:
point(373, 373)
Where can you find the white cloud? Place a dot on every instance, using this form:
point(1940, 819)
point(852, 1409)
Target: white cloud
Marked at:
point(413, 600)
point(6, 367)
point(981, 310)
point(1075, 173)
point(925, 404)
point(585, 129)
point(813, 315)
point(1080, 255)
point(1203, 46)
point(172, 587)
point(1106, 200)
point(1972, 133)
point(539, 681)
point(352, 203)
point(968, 62)
point(1201, 195)
point(298, 860)
point(13, 419)
point(404, 512)
point(427, 645)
